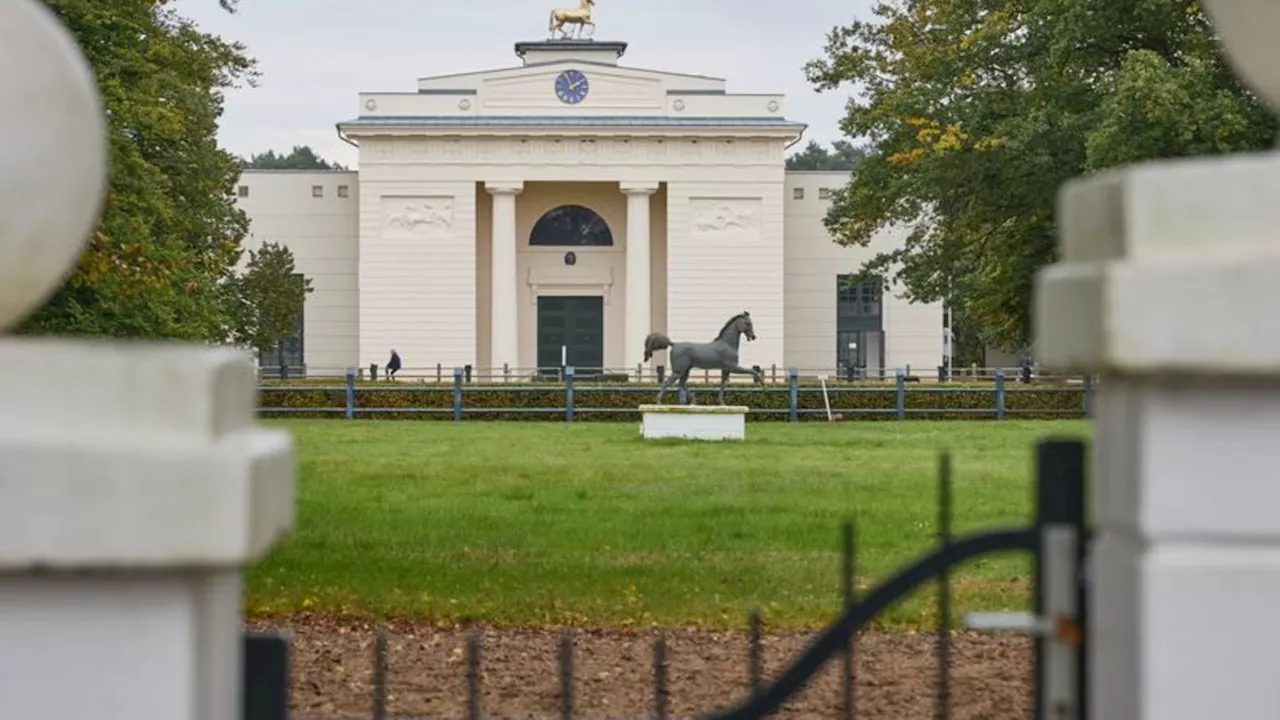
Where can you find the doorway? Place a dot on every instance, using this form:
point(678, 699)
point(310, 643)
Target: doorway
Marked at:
point(572, 325)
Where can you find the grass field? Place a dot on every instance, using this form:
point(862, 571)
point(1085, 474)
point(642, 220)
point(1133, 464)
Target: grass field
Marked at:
point(586, 524)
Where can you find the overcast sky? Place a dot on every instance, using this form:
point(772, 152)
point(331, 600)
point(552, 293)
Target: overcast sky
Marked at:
point(316, 55)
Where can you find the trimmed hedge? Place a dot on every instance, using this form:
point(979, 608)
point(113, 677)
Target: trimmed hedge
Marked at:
point(421, 401)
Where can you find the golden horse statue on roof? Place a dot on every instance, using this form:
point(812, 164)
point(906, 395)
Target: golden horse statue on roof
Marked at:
point(581, 17)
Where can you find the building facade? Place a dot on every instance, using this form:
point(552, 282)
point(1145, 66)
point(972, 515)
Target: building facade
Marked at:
point(563, 209)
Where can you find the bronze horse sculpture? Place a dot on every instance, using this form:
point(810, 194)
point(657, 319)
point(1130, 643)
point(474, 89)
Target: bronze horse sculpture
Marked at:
point(719, 354)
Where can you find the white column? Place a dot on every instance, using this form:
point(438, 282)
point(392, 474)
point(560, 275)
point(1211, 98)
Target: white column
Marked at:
point(1167, 288)
point(639, 279)
point(504, 303)
point(135, 486)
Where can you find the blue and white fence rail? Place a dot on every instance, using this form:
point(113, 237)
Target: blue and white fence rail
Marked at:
point(572, 398)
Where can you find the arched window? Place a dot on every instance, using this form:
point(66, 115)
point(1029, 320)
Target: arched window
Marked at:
point(571, 225)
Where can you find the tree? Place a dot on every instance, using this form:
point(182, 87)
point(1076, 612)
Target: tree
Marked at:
point(269, 297)
point(843, 156)
point(976, 111)
point(302, 157)
point(169, 235)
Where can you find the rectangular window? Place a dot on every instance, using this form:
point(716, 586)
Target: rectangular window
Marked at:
point(798, 193)
point(243, 191)
point(290, 353)
point(825, 193)
point(344, 191)
point(858, 300)
point(317, 191)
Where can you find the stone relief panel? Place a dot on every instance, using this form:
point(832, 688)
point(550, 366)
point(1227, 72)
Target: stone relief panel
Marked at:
point(415, 217)
point(576, 151)
point(716, 216)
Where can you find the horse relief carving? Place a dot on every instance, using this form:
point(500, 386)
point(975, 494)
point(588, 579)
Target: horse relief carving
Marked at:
point(420, 217)
point(723, 216)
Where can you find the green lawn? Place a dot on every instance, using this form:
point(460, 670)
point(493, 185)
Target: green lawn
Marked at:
point(546, 523)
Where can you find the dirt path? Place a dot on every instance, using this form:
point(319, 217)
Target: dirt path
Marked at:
point(896, 673)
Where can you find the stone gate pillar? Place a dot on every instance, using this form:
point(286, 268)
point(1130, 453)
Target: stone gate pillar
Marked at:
point(133, 483)
point(1169, 288)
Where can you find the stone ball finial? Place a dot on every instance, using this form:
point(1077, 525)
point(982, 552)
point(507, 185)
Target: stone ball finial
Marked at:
point(53, 156)
point(1248, 31)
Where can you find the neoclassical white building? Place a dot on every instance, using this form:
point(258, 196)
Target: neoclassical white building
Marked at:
point(564, 208)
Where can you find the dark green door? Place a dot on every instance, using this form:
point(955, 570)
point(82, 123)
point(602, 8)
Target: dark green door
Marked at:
point(575, 323)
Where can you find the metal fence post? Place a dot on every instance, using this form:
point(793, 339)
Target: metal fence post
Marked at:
point(1088, 396)
point(457, 394)
point(999, 393)
point(900, 394)
point(793, 393)
point(1061, 674)
point(351, 393)
point(568, 393)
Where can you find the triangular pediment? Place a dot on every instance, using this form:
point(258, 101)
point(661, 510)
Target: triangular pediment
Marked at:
point(611, 89)
point(475, 81)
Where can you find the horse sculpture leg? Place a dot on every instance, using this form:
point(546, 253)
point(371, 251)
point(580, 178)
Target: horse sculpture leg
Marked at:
point(684, 388)
point(724, 380)
point(666, 384)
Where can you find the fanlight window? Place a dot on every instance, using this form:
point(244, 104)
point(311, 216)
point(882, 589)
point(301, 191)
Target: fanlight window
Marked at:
point(571, 225)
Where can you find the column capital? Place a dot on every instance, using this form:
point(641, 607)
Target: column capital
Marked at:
point(638, 188)
point(504, 187)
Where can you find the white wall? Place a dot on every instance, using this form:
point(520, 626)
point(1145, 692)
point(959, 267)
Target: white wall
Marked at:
point(323, 235)
point(724, 256)
point(913, 332)
point(417, 272)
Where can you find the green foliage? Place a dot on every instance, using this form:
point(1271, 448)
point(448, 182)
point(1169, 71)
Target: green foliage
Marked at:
point(269, 297)
point(976, 112)
point(302, 157)
point(843, 155)
point(406, 401)
point(158, 262)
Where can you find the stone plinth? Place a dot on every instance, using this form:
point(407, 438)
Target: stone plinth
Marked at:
point(134, 485)
point(135, 488)
point(1186, 560)
point(694, 422)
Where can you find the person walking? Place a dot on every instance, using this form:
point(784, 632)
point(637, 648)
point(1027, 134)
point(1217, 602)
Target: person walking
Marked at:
point(393, 364)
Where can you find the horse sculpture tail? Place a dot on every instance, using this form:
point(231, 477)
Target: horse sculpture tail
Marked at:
point(654, 343)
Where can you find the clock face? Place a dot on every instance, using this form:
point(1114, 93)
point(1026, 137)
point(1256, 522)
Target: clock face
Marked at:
point(571, 87)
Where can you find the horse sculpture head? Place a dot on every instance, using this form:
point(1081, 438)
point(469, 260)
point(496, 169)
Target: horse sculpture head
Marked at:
point(744, 326)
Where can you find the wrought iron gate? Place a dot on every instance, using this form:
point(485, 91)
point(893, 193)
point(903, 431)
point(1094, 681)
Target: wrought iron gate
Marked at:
point(1056, 539)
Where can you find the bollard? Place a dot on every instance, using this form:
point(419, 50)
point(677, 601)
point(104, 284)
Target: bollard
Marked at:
point(466, 369)
point(568, 393)
point(457, 394)
point(900, 397)
point(773, 373)
point(506, 372)
point(373, 372)
point(662, 372)
point(439, 373)
point(793, 393)
point(999, 393)
point(351, 393)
